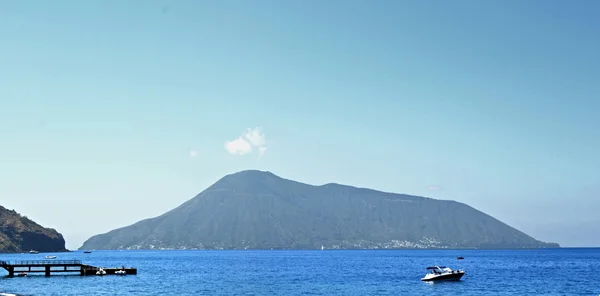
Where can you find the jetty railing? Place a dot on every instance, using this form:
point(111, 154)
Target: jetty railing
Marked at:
point(41, 262)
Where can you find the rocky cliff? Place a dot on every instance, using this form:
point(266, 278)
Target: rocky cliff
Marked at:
point(19, 234)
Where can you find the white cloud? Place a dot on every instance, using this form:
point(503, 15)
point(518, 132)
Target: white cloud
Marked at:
point(261, 151)
point(193, 153)
point(434, 187)
point(255, 137)
point(245, 143)
point(238, 146)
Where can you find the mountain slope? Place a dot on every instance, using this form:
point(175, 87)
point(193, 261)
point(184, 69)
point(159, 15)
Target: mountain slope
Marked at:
point(20, 234)
point(259, 210)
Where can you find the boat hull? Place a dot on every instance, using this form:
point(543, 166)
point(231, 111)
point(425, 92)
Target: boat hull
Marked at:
point(456, 276)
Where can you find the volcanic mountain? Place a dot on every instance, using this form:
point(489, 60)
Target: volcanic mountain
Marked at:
point(259, 210)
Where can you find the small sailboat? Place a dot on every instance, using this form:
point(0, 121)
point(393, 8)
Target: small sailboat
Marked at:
point(322, 247)
point(101, 271)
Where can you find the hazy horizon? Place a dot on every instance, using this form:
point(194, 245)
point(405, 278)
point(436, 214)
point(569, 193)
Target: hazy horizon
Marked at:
point(125, 110)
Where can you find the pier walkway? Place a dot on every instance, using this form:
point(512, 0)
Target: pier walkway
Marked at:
point(57, 266)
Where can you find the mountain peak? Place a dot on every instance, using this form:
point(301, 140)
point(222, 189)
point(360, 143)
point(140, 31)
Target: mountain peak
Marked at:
point(254, 181)
point(252, 173)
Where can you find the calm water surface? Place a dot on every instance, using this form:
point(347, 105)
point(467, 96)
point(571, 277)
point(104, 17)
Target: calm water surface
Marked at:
point(506, 272)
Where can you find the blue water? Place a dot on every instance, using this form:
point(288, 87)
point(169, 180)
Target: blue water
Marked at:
point(398, 272)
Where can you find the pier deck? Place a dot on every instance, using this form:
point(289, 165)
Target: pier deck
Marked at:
point(61, 266)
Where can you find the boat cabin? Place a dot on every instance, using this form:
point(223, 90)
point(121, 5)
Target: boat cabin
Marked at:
point(438, 269)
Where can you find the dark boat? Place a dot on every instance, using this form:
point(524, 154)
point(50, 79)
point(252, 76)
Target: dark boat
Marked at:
point(460, 258)
point(87, 252)
point(442, 273)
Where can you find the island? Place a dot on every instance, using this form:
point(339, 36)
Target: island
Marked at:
point(260, 210)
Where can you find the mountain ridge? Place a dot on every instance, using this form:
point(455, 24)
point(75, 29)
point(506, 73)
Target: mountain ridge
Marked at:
point(254, 209)
point(21, 234)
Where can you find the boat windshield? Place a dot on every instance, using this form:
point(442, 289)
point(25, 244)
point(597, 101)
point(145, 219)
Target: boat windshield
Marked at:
point(439, 269)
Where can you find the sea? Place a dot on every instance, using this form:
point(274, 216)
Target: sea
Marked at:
point(565, 271)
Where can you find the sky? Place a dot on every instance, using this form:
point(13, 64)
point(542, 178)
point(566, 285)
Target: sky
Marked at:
point(116, 111)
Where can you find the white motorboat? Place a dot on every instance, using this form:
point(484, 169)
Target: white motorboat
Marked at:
point(120, 272)
point(442, 273)
point(50, 257)
point(101, 271)
point(33, 252)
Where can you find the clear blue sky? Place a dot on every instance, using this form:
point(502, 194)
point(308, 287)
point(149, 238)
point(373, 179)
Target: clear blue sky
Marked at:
point(115, 111)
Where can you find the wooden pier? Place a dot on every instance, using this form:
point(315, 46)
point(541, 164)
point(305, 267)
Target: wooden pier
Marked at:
point(57, 266)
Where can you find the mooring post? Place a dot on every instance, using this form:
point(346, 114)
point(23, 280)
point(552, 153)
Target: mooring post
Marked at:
point(47, 270)
point(11, 271)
